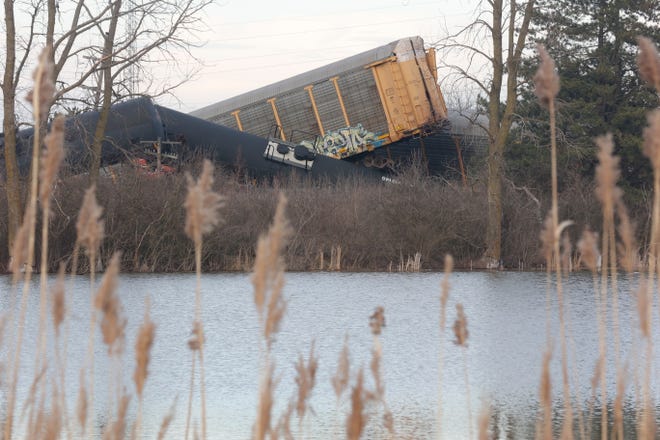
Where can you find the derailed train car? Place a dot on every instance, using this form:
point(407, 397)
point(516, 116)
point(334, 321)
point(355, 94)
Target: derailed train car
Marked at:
point(138, 130)
point(377, 107)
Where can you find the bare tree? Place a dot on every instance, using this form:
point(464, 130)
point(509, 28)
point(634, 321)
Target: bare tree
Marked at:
point(106, 65)
point(146, 33)
point(14, 68)
point(492, 46)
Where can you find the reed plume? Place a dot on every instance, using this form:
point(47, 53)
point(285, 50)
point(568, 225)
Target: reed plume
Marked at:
point(547, 237)
point(268, 274)
point(59, 300)
point(648, 62)
point(19, 252)
point(461, 332)
point(113, 322)
point(202, 205)
point(546, 80)
point(116, 430)
point(342, 375)
point(377, 323)
point(627, 246)
point(357, 418)
point(305, 381)
point(651, 135)
point(268, 283)
point(143, 345)
point(90, 232)
point(90, 227)
point(547, 87)
point(53, 157)
point(588, 248)
point(40, 97)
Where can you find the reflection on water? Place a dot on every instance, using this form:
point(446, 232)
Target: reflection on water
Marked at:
point(507, 324)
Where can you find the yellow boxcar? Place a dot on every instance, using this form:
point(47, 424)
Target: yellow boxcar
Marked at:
point(349, 107)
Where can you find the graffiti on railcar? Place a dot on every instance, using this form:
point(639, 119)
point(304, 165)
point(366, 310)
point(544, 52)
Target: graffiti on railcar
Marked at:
point(346, 142)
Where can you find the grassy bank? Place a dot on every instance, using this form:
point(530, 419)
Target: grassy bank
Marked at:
point(349, 225)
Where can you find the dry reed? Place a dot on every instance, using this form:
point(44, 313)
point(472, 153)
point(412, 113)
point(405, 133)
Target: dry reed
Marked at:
point(165, 424)
point(484, 422)
point(648, 62)
point(342, 375)
point(357, 419)
point(268, 282)
point(305, 381)
point(545, 398)
point(40, 97)
point(588, 248)
point(58, 313)
point(268, 275)
point(377, 323)
point(649, 67)
point(461, 334)
point(202, 205)
point(262, 426)
point(106, 301)
point(547, 87)
point(52, 158)
point(143, 345)
point(444, 297)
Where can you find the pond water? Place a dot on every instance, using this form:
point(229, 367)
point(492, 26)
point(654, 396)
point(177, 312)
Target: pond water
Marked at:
point(507, 324)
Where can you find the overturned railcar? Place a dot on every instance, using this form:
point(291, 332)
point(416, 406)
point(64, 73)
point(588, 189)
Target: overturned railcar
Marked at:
point(376, 107)
point(139, 129)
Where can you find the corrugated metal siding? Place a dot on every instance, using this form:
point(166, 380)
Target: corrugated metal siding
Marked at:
point(328, 105)
point(228, 120)
point(258, 119)
point(296, 112)
point(362, 101)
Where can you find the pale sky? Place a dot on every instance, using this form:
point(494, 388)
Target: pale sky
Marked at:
point(248, 44)
point(253, 43)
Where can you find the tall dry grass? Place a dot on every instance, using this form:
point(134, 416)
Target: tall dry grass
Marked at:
point(310, 236)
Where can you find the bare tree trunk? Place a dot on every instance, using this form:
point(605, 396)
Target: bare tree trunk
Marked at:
point(495, 146)
point(500, 120)
point(14, 204)
point(106, 64)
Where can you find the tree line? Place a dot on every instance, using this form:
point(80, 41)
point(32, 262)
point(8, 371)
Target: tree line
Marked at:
point(594, 45)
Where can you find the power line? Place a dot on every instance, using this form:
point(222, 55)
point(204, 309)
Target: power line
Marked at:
point(252, 37)
point(327, 13)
